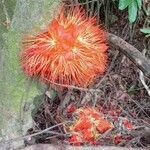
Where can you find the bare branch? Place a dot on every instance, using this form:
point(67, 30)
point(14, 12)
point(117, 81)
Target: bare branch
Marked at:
point(132, 53)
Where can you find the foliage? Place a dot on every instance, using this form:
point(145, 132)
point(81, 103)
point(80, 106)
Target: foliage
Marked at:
point(146, 30)
point(133, 7)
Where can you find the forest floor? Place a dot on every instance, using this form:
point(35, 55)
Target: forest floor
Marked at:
point(119, 95)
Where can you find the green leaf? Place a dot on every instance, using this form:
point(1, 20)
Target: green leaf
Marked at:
point(139, 3)
point(132, 11)
point(124, 4)
point(147, 36)
point(145, 30)
point(131, 90)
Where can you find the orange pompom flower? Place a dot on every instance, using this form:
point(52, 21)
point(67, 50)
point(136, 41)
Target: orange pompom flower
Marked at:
point(71, 50)
point(88, 125)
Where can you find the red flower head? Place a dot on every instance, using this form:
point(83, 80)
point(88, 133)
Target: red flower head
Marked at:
point(88, 125)
point(71, 50)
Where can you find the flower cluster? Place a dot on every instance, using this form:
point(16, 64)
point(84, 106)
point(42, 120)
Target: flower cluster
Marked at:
point(88, 126)
point(71, 50)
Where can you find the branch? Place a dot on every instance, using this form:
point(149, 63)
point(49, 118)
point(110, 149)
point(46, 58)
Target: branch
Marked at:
point(142, 77)
point(75, 87)
point(31, 135)
point(132, 53)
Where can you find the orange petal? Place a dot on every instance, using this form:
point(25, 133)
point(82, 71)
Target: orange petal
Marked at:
point(103, 126)
point(82, 124)
point(88, 135)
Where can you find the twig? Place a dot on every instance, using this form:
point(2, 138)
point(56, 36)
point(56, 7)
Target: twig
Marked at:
point(141, 75)
point(75, 87)
point(57, 133)
point(144, 83)
point(109, 69)
point(31, 135)
point(66, 100)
